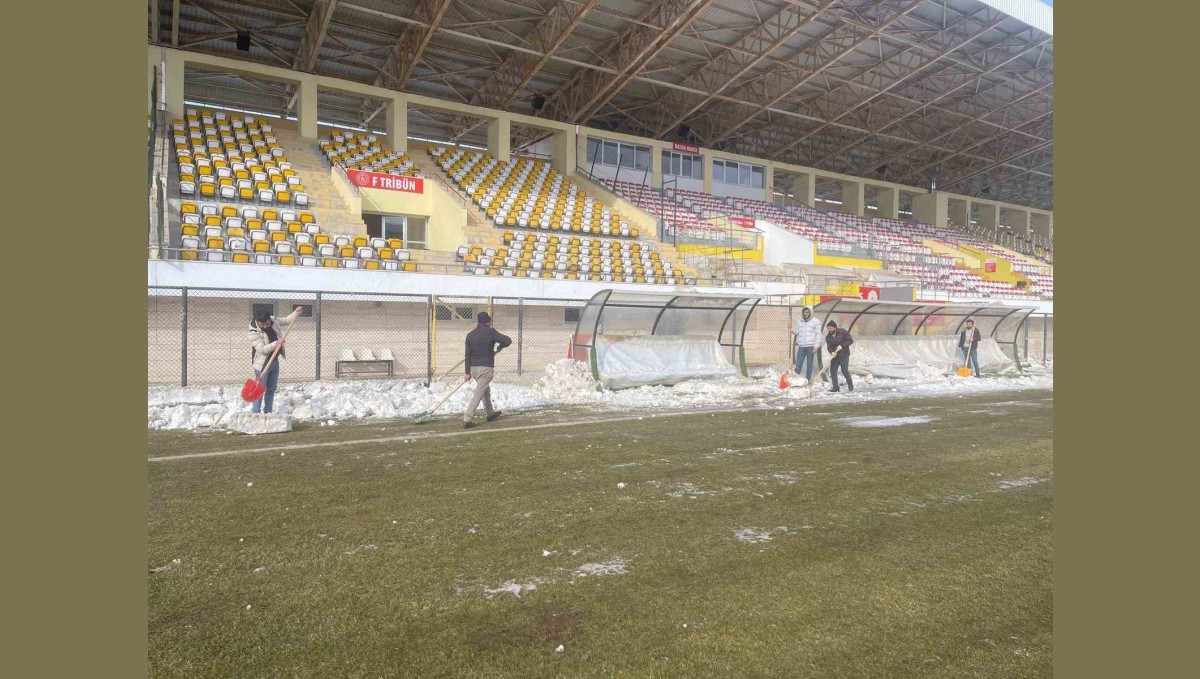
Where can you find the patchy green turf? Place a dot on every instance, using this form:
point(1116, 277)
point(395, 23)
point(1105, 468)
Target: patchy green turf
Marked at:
point(893, 551)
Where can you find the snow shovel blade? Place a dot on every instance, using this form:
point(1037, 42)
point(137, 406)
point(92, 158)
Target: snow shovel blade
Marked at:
point(964, 372)
point(252, 390)
point(423, 418)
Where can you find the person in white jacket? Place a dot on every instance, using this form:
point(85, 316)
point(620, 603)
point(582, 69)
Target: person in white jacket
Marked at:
point(264, 337)
point(806, 337)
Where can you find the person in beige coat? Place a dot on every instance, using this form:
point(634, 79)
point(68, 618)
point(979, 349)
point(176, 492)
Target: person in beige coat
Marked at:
point(264, 337)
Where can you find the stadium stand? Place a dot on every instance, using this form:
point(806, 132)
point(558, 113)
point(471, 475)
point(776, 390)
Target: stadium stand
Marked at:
point(233, 158)
point(215, 232)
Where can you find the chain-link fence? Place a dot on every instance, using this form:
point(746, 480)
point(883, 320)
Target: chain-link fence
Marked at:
point(202, 336)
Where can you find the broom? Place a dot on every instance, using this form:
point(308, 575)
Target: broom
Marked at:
point(427, 415)
point(824, 370)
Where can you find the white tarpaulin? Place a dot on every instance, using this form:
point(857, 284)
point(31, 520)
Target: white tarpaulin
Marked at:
point(908, 356)
point(634, 361)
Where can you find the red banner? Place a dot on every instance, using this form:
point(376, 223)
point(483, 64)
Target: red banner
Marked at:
point(989, 266)
point(744, 222)
point(686, 148)
point(389, 182)
point(868, 292)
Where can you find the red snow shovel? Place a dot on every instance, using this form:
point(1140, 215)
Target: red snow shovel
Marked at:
point(253, 389)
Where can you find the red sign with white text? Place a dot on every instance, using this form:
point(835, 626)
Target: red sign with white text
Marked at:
point(389, 182)
point(989, 266)
point(744, 222)
point(686, 148)
point(868, 292)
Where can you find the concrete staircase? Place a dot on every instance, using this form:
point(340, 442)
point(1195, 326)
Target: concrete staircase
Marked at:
point(325, 202)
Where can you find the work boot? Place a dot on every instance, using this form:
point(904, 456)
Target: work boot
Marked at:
point(468, 425)
point(495, 415)
point(834, 391)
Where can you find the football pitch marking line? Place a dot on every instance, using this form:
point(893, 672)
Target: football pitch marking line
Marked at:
point(447, 434)
point(420, 437)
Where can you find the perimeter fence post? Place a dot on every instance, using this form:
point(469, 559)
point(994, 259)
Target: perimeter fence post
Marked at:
point(183, 353)
point(317, 316)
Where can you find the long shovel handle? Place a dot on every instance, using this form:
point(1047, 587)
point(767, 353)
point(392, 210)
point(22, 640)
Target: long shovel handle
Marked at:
point(278, 346)
point(446, 397)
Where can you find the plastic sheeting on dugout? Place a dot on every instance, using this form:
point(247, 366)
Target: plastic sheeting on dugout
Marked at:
point(633, 339)
point(999, 325)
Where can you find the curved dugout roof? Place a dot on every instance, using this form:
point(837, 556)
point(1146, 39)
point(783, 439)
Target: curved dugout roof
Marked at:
point(612, 312)
point(867, 317)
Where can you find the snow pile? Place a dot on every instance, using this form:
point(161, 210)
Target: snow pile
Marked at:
point(565, 382)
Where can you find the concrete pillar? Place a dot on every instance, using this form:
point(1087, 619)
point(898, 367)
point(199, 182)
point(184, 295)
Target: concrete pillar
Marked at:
point(397, 122)
point(1019, 221)
point(852, 197)
point(656, 170)
point(804, 188)
point(499, 138)
point(887, 202)
point(173, 84)
point(989, 216)
point(930, 208)
point(306, 110)
point(1040, 224)
point(562, 151)
point(769, 183)
point(959, 212)
point(708, 170)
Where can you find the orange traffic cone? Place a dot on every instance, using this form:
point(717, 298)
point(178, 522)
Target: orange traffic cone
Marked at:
point(783, 384)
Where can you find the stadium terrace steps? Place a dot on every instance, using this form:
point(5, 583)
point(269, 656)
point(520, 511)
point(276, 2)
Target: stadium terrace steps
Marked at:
point(479, 229)
point(332, 212)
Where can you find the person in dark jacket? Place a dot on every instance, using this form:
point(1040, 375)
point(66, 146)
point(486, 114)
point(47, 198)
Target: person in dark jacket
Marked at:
point(480, 364)
point(838, 342)
point(970, 347)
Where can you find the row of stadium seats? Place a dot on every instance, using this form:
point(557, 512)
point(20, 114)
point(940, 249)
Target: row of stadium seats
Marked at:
point(355, 151)
point(529, 194)
point(569, 258)
point(226, 233)
point(900, 244)
point(229, 157)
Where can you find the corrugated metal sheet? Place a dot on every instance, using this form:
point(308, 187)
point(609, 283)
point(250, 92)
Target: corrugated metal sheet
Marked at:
point(1035, 13)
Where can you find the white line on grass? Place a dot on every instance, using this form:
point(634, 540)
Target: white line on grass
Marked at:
point(402, 437)
point(448, 434)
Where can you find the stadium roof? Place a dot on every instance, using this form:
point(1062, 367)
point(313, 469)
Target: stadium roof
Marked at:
point(915, 92)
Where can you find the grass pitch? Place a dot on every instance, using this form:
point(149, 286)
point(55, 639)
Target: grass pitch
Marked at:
point(804, 542)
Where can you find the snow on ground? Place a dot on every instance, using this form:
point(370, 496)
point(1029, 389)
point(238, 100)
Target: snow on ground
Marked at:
point(872, 421)
point(565, 382)
point(617, 566)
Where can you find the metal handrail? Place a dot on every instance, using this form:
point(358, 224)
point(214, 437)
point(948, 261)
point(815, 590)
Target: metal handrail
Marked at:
point(467, 269)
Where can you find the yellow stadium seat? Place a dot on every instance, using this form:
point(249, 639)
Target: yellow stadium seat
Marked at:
point(287, 260)
point(410, 266)
point(241, 258)
point(261, 246)
point(320, 239)
point(360, 241)
point(329, 262)
point(346, 251)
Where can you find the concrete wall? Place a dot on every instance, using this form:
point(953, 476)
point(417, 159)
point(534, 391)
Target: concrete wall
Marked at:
point(781, 246)
point(446, 220)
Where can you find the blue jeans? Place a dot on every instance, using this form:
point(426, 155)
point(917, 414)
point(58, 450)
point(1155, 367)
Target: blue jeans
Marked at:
point(271, 381)
point(804, 354)
point(973, 358)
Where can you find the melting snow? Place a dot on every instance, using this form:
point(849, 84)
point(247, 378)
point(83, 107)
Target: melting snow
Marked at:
point(869, 421)
point(615, 566)
point(754, 536)
point(1017, 483)
point(564, 382)
point(510, 587)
